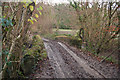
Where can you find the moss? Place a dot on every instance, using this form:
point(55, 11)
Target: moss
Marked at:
point(75, 42)
point(43, 56)
point(37, 40)
point(37, 50)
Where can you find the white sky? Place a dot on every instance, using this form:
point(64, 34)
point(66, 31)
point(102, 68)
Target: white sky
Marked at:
point(60, 1)
point(67, 1)
point(54, 1)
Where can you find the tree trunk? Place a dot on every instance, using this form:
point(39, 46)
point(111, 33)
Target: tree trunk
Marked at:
point(118, 14)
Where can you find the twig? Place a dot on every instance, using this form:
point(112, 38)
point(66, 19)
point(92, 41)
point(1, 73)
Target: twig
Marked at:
point(11, 7)
point(13, 44)
point(109, 55)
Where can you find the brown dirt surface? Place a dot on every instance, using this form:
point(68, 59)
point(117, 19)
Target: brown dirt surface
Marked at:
point(60, 64)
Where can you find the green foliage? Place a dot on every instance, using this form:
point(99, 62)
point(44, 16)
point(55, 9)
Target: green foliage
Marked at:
point(109, 59)
point(69, 35)
point(75, 5)
point(6, 52)
point(43, 56)
point(51, 36)
point(9, 63)
point(37, 40)
point(19, 16)
point(37, 49)
point(6, 22)
point(6, 6)
point(31, 8)
point(75, 42)
point(95, 35)
point(27, 2)
point(40, 8)
point(95, 54)
point(32, 19)
point(62, 26)
point(40, 13)
point(20, 74)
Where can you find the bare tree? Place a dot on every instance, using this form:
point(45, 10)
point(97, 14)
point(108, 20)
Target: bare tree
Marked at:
point(98, 23)
point(13, 37)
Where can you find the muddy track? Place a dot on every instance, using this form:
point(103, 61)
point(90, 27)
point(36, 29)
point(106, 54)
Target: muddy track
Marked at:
point(65, 62)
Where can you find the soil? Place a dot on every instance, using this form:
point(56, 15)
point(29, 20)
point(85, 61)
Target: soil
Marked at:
point(106, 68)
point(60, 64)
point(43, 70)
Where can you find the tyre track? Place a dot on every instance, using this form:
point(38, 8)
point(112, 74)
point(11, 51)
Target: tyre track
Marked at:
point(82, 63)
point(53, 61)
point(62, 69)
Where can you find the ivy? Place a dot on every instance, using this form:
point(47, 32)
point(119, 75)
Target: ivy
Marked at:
point(6, 22)
point(6, 52)
point(9, 63)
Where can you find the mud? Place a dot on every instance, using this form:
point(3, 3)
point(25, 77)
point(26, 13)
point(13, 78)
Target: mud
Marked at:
point(60, 64)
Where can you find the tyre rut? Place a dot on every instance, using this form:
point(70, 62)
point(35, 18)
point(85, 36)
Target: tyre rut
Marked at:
point(60, 64)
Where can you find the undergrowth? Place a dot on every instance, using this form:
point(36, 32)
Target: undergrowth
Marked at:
point(32, 56)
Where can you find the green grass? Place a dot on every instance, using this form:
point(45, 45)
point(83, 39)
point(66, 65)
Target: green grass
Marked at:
point(53, 35)
point(50, 36)
point(64, 30)
point(37, 49)
point(109, 59)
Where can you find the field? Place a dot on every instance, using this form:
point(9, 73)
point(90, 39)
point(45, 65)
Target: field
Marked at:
point(66, 31)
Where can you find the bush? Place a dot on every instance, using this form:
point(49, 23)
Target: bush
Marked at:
point(33, 55)
point(37, 48)
point(76, 42)
point(62, 26)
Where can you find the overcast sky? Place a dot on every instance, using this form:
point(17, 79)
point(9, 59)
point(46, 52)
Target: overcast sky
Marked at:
point(67, 1)
point(54, 1)
point(59, 1)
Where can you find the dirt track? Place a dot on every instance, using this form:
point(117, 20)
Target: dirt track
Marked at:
point(66, 62)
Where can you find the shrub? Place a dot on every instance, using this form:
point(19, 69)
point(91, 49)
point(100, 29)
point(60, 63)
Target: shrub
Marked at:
point(76, 42)
point(33, 55)
point(37, 48)
point(62, 26)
